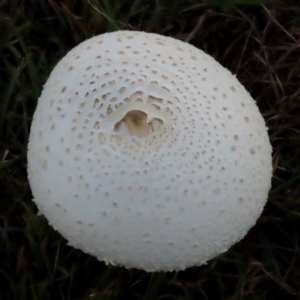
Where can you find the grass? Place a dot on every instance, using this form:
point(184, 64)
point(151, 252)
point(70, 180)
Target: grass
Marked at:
point(260, 43)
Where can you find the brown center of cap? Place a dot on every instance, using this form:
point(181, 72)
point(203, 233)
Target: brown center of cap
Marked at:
point(136, 123)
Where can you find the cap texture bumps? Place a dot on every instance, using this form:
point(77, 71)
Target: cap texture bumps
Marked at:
point(147, 153)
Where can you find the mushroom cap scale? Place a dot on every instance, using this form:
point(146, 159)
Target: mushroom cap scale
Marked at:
point(147, 153)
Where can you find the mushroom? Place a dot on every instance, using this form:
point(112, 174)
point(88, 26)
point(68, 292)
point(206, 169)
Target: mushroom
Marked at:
point(145, 152)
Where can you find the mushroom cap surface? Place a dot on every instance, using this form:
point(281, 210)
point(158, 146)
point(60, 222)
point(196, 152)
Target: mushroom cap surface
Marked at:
point(145, 152)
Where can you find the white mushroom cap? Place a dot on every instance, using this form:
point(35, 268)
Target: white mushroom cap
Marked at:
point(147, 153)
